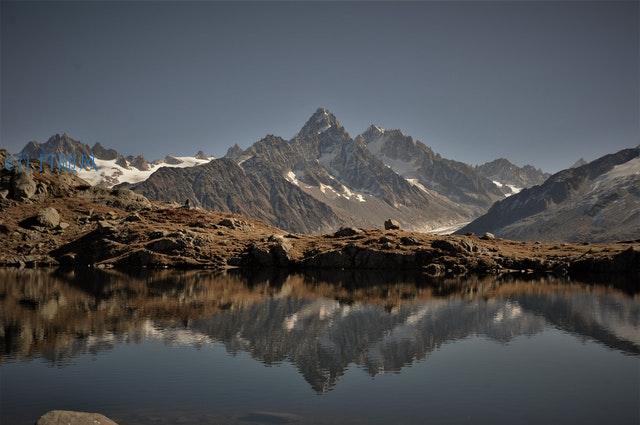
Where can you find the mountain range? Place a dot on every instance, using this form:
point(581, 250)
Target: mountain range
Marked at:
point(324, 178)
point(109, 167)
point(598, 201)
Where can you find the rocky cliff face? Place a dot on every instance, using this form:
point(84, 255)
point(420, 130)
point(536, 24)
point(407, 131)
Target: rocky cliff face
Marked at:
point(428, 171)
point(510, 177)
point(223, 185)
point(598, 201)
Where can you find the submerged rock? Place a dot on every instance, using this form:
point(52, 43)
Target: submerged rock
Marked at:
point(67, 417)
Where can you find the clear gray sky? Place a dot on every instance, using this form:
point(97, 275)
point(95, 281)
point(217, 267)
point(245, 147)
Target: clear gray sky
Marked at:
point(537, 82)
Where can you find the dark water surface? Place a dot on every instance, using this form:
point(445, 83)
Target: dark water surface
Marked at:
point(201, 348)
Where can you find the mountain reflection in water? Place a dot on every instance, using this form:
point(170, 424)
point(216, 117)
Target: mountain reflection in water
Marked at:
point(322, 324)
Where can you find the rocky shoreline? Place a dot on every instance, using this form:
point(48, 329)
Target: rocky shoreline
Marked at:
point(51, 219)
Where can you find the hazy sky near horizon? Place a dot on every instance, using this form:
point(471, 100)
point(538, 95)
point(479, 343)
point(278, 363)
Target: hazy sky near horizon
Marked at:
point(536, 82)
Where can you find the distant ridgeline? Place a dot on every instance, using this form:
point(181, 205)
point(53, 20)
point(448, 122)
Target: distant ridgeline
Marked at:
point(57, 161)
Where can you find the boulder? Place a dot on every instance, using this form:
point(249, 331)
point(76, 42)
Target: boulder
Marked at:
point(133, 217)
point(281, 254)
point(128, 200)
point(22, 186)
point(231, 223)
point(469, 246)
point(446, 245)
point(459, 269)
point(346, 232)
point(166, 245)
point(387, 245)
point(158, 234)
point(276, 239)
point(142, 258)
point(434, 269)
point(105, 226)
point(48, 217)
point(391, 225)
point(488, 236)
point(67, 417)
point(409, 240)
point(67, 260)
point(276, 254)
point(335, 259)
point(260, 256)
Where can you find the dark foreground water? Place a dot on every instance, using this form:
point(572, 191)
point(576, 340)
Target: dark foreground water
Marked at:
point(196, 348)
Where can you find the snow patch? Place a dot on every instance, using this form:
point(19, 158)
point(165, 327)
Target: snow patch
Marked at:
point(514, 189)
point(110, 173)
point(244, 159)
point(292, 178)
point(628, 168)
point(416, 183)
point(621, 171)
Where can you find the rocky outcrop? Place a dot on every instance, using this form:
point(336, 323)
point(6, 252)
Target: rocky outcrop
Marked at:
point(172, 160)
point(122, 162)
point(201, 155)
point(100, 152)
point(67, 417)
point(391, 224)
point(22, 185)
point(139, 162)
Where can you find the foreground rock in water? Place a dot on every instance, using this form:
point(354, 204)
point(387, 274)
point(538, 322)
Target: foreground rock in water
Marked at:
point(67, 417)
point(119, 228)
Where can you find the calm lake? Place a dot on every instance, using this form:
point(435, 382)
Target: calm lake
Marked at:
point(205, 348)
